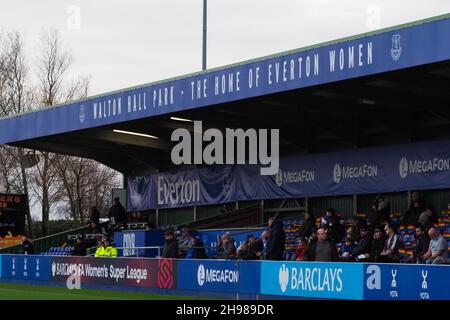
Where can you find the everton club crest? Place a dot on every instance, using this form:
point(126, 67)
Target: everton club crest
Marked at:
point(396, 50)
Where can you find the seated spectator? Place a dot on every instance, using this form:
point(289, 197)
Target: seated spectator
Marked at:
point(422, 241)
point(198, 249)
point(346, 251)
point(356, 229)
point(226, 248)
point(184, 242)
point(322, 248)
point(80, 248)
point(378, 242)
point(106, 250)
point(362, 249)
point(308, 225)
point(171, 246)
point(428, 217)
point(258, 245)
point(390, 253)
point(438, 248)
point(27, 246)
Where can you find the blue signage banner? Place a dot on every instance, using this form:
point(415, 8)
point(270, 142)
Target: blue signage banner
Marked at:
point(132, 239)
point(394, 49)
point(26, 267)
point(424, 165)
point(312, 279)
point(406, 282)
point(218, 275)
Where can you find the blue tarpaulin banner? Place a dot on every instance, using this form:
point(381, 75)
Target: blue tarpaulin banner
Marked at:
point(394, 49)
point(424, 165)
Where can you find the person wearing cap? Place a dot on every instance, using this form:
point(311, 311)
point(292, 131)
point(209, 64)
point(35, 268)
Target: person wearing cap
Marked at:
point(106, 250)
point(171, 245)
point(362, 249)
point(80, 248)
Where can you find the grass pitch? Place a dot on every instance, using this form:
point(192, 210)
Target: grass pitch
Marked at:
point(12, 291)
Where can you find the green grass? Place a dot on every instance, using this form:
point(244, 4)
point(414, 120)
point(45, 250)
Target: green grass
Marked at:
point(12, 291)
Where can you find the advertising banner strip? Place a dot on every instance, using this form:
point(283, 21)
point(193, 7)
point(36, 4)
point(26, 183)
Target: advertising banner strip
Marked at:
point(424, 165)
point(312, 279)
point(25, 267)
point(389, 50)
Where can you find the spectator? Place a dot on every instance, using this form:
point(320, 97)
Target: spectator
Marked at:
point(322, 248)
point(226, 248)
point(80, 248)
point(416, 207)
point(94, 228)
point(438, 248)
point(346, 251)
point(422, 244)
point(277, 239)
point(250, 252)
point(336, 230)
point(362, 249)
point(390, 252)
point(260, 245)
point(300, 251)
point(94, 216)
point(356, 229)
point(184, 242)
point(428, 217)
point(118, 214)
point(308, 225)
point(171, 246)
point(27, 246)
point(198, 248)
point(106, 250)
point(381, 210)
point(378, 242)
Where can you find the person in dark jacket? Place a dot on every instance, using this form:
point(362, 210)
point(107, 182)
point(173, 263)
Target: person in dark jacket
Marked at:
point(422, 244)
point(416, 207)
point(381, 210)
point(378, 242)
point(198, 248)
point(226, 248)
point(332, 222)
point(171, 246)
point(27, 246)
point(321, 248)
point(277, 239)
point(308, 225)
point(80, 248)
point(117, 211)
point(94, 216)
point(364, 244)
point(390, 253)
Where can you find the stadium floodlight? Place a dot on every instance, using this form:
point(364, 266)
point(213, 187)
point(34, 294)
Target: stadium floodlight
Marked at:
point(135, 134)
point(181, 119)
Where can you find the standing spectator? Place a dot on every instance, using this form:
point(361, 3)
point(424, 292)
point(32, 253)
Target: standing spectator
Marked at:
point(184, 242)
point(362, 249)
point(416, 207)
point(390, 252)
point(381, 210)
point(171, 246)
point(438, 249)
point(422, 244)
point(118, 213)
point(198, 248)
point(308, 225)
point(428, 217)
point(322, 248)
point(277, 239)
point(27, 246)
point(80, 248)
point(336, 230)
point(94, 216)
point(226, 248)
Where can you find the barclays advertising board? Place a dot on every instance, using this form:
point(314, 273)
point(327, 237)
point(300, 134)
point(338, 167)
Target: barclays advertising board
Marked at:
point(312, 279)
point(219, 276)
point(26, 267)
point(406, 282)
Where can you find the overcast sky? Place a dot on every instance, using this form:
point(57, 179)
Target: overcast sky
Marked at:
point(125, 43)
